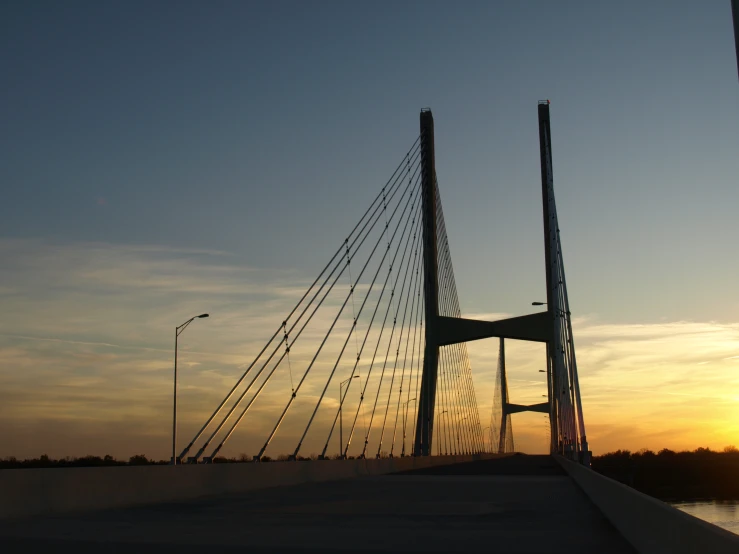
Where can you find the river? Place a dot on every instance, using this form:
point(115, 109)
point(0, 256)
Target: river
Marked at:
point(724, 513)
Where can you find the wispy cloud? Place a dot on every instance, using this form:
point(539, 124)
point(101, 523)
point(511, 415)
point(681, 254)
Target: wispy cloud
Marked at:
point(87, 339)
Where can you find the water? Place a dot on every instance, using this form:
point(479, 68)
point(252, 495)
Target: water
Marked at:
point(723, 513)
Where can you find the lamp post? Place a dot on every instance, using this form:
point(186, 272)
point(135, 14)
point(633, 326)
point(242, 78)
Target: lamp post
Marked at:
point(459, 445)
point(341, 416)
point(438, 436)
point(177, 332)
point(561, 312)
point(483, 436)
point(405, 420)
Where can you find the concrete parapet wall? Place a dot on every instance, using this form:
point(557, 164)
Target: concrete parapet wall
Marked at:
point(30, 492)
point(650, 525)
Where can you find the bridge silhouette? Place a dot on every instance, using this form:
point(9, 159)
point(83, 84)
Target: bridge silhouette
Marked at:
point(385, 312)
point(383, 318)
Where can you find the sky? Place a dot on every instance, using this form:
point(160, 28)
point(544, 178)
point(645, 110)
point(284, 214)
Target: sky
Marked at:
point(164, 159)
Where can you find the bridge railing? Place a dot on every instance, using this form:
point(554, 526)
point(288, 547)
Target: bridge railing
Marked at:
point(651, 526)
point(35, 492)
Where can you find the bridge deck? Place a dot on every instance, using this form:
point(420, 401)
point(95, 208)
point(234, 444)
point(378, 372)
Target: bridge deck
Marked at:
point(523, 504)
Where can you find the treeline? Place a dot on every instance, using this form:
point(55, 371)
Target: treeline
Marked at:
point(668, 475)
point(137, 460)
point(85, 461)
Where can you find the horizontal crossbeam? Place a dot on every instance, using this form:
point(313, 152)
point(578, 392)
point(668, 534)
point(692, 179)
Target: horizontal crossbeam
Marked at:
point(516, 408)
point(535, 327)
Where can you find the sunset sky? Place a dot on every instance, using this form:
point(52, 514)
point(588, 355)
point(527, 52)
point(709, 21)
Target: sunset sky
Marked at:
point(160, 160)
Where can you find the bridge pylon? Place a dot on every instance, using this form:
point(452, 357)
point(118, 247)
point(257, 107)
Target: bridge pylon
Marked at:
point(552, 327)
point(427, 399)
point(566, 415)
point(396, 328)
point(503, 408)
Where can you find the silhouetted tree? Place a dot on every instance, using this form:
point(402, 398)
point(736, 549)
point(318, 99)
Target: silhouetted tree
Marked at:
point(138, 460)
point(670, 475)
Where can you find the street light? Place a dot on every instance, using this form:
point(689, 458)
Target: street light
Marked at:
point(483, 436)
point(405, 420)
point(561, 312)
point(177, 332)
point(459, 446)
point(438, 439)
point(341, 416)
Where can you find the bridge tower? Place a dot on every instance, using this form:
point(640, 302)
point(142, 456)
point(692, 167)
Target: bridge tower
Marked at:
point(552, 327)
point(564, 405)
point(407, 212)
point(427, 400)
point(566, 416)
point(503, 408)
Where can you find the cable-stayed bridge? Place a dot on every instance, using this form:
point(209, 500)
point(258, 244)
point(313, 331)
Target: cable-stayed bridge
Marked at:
point(371, 365)
point(379, 340)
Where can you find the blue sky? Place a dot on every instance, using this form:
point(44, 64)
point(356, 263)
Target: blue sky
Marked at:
point(160, 158)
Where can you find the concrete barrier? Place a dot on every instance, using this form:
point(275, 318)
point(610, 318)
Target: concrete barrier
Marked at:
point(650, 525)
point(31, 492)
